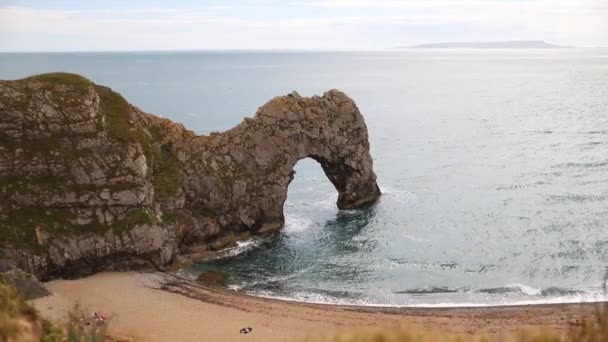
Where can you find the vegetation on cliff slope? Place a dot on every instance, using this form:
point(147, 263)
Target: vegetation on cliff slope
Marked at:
point(54, 150)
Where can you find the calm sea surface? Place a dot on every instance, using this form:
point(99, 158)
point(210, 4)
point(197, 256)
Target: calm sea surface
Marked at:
point(493, 164)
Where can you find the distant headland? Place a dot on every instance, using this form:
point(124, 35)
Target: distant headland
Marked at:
point(520, 44)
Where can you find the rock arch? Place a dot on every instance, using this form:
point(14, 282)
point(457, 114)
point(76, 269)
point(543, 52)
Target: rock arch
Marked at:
point(244, 173)
point(89, 181)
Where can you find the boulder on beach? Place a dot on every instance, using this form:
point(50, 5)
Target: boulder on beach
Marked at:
point(27, 285)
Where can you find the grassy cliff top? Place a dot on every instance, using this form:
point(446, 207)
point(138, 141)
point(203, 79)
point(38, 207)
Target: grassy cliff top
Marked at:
point(59, 78)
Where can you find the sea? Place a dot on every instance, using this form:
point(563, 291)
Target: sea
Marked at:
point(493, 166)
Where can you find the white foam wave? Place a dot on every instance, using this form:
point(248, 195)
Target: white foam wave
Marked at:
point(242, 246)
point(575, 299)
point(316, 298)
point(309, 297)
point(525, 289)
point(329, 202)
point(295, 223)
point(235, 287)
point(401, 196)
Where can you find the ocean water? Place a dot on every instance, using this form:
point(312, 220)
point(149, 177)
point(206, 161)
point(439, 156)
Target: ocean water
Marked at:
point(493, 165)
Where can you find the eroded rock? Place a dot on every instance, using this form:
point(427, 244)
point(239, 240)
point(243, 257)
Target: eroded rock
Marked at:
point(89, 182)
point(27, 285)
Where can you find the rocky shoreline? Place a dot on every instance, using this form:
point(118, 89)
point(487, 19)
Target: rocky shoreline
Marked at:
point(91, 183)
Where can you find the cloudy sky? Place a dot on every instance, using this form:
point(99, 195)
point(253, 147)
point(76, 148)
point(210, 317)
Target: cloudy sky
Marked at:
point(67, 25)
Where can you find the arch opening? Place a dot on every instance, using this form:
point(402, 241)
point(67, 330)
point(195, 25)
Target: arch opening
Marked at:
point(310, 183)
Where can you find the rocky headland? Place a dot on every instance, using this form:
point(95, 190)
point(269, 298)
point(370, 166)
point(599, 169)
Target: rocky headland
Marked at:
point(88, 182)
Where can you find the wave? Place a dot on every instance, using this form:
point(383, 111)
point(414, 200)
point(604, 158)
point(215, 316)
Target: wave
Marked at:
point(296, 223)
point(540, 131)
point(583, 165)
point(510, 289)
point(428, 290)
point(513, 288)
point(234, 287)
point(312, 298)
point(521, 186)
point(535, 301)
point(577, 198)
point(242, 247)
point(537, 297)
point(502, 290)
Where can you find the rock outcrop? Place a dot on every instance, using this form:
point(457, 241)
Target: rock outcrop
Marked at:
point(90, 182)
point(27, 285)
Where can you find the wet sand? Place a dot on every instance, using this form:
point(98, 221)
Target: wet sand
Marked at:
point(161, 307)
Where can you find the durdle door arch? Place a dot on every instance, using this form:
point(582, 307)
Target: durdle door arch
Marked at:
point(90, 182)
point(258, 156)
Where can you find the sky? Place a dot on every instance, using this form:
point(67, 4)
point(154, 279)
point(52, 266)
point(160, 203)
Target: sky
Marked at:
point(132, 25)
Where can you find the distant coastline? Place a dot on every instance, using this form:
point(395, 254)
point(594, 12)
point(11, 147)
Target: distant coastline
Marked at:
point(523, 44)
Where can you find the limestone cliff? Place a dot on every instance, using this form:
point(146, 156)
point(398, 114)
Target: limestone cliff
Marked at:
point(88, 181)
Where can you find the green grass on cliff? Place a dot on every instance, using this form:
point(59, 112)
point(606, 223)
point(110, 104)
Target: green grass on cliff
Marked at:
point(22, 228)
point(120, 126)
point(66, 90)
point(117, 113)
point(167, 172)
point(60, 78)
point(123, 126)
point(19, 226)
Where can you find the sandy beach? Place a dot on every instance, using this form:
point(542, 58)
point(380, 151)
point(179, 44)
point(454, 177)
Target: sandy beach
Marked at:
point(160, 307)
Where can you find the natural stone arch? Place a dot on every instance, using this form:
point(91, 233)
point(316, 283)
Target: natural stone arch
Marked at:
point(243, 174)
point(90, 181)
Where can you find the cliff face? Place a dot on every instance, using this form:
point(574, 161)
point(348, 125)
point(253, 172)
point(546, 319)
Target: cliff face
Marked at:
point(88, 181)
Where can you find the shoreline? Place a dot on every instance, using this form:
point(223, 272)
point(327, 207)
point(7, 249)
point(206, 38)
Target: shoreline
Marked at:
point(428, 306)
point(557, 300)
point(363, 307)
point(161, 307)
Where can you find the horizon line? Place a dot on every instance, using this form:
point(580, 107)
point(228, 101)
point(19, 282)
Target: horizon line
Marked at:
point(395, 48)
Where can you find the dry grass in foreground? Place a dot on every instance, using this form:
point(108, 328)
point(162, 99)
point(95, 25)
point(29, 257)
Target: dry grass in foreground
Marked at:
point(19, 322)
point(593, 329)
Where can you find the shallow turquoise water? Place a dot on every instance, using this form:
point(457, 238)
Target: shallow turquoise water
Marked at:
point(493, 164)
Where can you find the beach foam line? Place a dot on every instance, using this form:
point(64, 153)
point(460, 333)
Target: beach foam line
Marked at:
point(315, 298)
